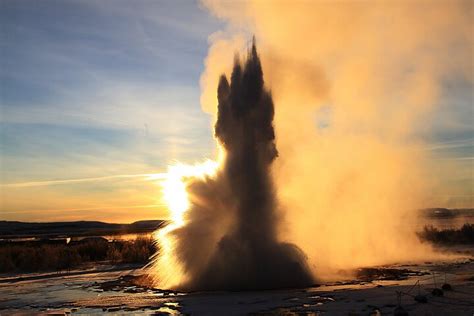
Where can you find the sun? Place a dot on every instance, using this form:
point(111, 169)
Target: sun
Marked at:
point(174, 186)
point(168, 271)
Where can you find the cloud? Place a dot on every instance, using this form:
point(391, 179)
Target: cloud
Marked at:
point(80, 180)
point(460, 143)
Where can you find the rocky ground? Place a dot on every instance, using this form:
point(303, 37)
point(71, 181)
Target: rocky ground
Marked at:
point(123, 290)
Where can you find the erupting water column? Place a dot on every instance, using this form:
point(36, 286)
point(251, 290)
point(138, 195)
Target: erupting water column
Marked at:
point(228, 239)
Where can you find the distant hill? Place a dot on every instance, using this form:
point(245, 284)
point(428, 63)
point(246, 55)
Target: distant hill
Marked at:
point(13, 229)
point(440, 212)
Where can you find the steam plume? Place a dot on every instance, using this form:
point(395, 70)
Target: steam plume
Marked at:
point(229, 241)
point(355, 83)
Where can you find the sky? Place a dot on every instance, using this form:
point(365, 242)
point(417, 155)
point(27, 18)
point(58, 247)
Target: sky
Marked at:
point(98, 95)
point(96, 89)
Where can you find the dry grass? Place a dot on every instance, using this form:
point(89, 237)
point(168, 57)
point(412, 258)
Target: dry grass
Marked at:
point(463, 235)
point(37, 256)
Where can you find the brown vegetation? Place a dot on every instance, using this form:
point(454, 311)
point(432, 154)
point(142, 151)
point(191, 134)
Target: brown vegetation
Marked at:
point(463, 235)
point(37, 256)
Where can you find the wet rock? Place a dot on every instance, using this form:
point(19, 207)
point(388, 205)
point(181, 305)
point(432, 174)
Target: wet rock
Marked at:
point(375, 312)
point(421, 298)
point(446, 287)
point(386, 274)
point(437, 292)
point(400, 311)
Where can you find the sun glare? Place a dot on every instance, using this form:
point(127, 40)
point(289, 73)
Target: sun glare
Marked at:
point(175, 196)
point(174, 186)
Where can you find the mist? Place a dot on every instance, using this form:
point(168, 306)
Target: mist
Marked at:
point(228, 239)
point(354, 84)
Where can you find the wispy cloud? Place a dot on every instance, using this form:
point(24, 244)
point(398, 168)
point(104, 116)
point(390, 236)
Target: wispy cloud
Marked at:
point(145, 176)
point(452, 144)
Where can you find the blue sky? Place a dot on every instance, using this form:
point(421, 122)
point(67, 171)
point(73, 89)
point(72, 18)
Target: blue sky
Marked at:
point(94, 88)
point(99, 88)
point(81, 79)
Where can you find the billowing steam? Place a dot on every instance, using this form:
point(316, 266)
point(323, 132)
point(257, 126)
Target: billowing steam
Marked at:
point(355, 84)
point(228, 238)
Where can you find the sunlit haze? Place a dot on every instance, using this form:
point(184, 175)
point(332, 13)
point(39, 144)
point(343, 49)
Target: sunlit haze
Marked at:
point(98, 96)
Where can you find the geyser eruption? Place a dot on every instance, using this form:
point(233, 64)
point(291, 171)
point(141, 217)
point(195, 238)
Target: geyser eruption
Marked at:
point(227, 239)
point(357, 85)
point(249, 256)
